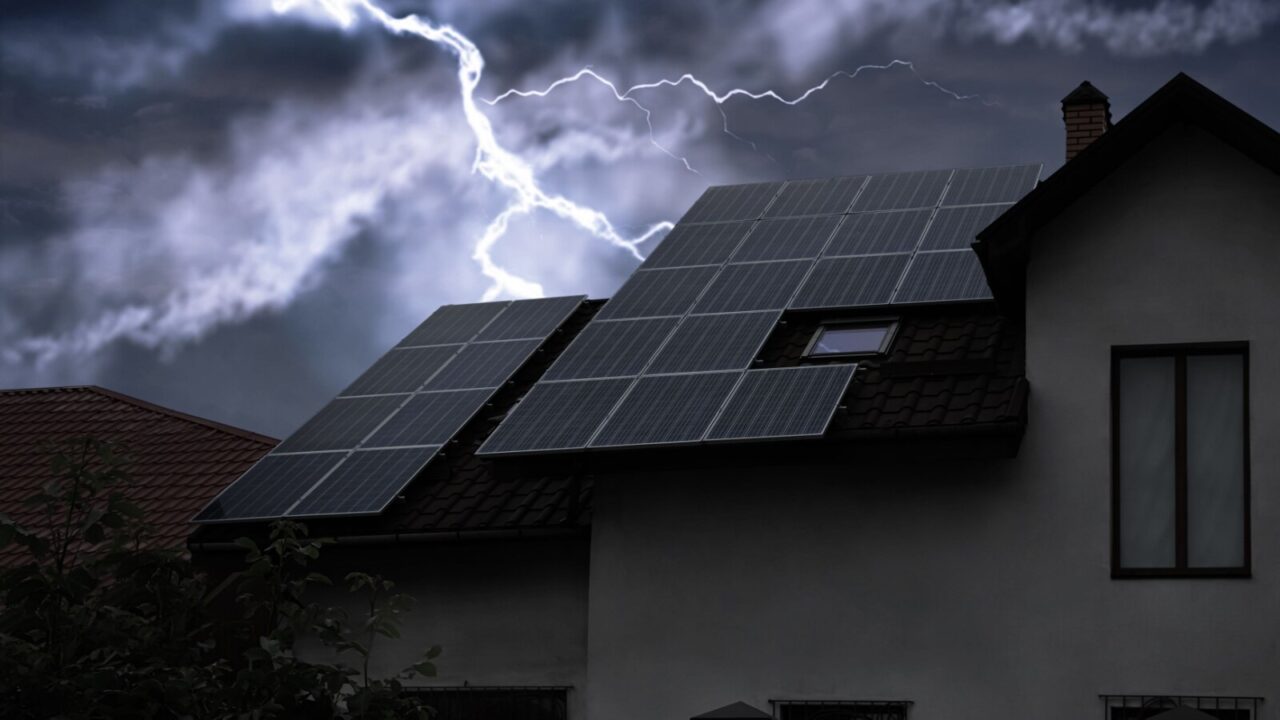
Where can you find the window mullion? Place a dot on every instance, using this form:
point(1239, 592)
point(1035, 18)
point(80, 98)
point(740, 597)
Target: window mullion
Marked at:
point(1180, 458)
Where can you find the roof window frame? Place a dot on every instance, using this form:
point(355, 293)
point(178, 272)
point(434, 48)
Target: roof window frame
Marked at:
point(891, 331)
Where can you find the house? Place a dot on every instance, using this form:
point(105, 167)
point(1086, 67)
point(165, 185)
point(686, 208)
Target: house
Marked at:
point(825, 455)
point(176, 463)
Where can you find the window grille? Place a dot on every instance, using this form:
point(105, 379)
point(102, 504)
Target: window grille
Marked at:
point(1148, 707)
point(495, 703)
point(840, 709)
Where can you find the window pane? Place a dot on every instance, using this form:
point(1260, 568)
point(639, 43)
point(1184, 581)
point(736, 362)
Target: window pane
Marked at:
point(1147, 465)
point(1215, 461)
point(841, 340)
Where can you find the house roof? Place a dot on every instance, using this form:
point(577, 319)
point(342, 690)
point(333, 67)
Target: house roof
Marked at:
point(1002, 245)
point(178, 462)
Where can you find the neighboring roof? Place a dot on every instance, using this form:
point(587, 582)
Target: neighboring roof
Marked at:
point(1002, 246)
point(736, 711)
point(178, 462)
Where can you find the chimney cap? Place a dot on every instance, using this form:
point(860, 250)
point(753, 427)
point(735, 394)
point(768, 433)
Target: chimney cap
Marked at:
point(1084, 94)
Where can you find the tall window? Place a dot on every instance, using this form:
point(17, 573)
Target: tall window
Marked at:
point(1180, 460)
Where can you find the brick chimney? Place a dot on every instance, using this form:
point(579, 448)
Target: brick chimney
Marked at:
point(1087, 114)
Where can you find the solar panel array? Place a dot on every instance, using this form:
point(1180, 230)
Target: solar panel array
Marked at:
point(667, 360)
point(362, 448)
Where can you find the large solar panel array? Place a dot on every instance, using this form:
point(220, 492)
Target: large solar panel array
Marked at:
point(667, 360)
point(360, 450)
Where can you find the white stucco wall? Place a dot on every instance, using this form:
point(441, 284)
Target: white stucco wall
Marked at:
point(976, 589)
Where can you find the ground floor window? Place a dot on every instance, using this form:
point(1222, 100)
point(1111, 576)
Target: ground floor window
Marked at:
point(496, 703)
point(1155, 707)
point(841, 709)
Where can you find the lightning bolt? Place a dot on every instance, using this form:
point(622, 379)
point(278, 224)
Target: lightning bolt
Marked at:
point(492, 161)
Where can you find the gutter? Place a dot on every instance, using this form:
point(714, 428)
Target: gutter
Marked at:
point(414, 537)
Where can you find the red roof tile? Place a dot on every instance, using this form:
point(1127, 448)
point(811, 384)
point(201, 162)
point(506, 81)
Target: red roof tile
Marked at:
point(177, 462)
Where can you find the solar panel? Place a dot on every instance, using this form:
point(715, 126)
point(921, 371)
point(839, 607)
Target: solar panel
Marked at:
point(783, 403)
point(653, 293)
point(732, 202)
point(991, 185)
point(525, 319)
point(270, 487)
point(709, 244)
point(901, 191)
point(788, 239)
point(611, 349)
point(754, 286)
point(453, 324)
point(342, 424)
point(946, 275)
point(715, 342)
point(484, 365)
point(402, 370)
point(429, 418)
point(816, 197)
point(956, 228)
point(878, 233)
point(665, 409)
point(556, 416)
point(851, 282)
point(365, 483)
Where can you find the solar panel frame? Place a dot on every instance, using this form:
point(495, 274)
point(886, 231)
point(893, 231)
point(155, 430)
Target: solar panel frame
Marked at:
point(666, 410)
point(555, 417)
point(753, 286)
point(955, 228)
point(658, 293)
point(732, 202)
point(342, 424)
point(531, 319)
point(429, 418)
point(957, 269)
point(782, 403)
point(401, 370)
point(484, 365)
point(382, 474)
point(847, 282)
point(879, 233)
point(902, 191)
point(611, 348)
point(693, 245)
point(981, 186)
point(276, 479)
point(819, 196)
point(800, 238)
point(452, 324)
point(705, 343)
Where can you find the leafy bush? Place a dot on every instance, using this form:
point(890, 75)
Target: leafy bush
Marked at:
point(94, 624)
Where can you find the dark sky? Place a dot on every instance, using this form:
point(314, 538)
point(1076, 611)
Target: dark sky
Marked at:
point(232, 212)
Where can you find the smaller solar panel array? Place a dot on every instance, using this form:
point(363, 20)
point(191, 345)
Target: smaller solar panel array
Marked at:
point(361, 449)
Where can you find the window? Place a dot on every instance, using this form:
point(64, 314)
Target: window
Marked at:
point(842, 710)
point(495, 703)
point(1180, 461)
point(861, 338)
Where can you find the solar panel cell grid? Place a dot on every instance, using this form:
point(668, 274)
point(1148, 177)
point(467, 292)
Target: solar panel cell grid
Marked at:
point(816, 197)
point(709, 244)
point(453, 324)
point(787, 239)
point(483, 365)
point(754, 286)
point(269, 487)
point(715, 342)
point(991, 185)
point(947, 275)
point(431, 418)
point(666, 409)
point(957, 228)
point(611, 349)
point(364, 483)
point(901, 191)
point(556, 416)
point(653, 293)
point(530, 318)
point(878, 233)
point(783, 403)
point(402, 370)
point(851, 282)
point(732, 202)
point(342, 424)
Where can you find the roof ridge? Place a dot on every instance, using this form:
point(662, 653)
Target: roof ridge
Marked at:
point(152, 407)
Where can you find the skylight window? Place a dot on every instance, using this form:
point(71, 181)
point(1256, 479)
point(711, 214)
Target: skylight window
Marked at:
point(864, 338)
